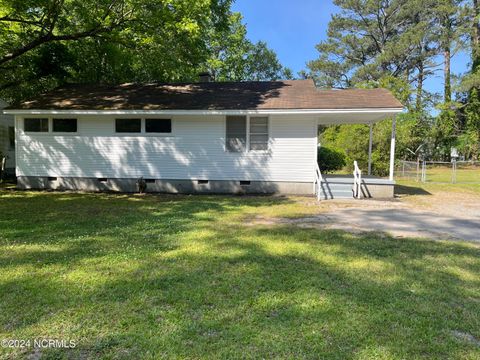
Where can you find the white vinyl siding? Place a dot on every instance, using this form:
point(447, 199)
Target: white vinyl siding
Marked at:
point(194, 150)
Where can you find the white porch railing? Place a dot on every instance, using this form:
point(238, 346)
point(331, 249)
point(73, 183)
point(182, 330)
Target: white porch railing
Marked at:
point(318, 181)
point(357, 181)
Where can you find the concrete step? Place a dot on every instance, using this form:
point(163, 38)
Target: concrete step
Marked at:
point(333, 189)
point(336, 195)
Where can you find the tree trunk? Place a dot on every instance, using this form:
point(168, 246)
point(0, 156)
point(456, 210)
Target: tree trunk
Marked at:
point(421, 75)
point(476, 36)
point(446, 71)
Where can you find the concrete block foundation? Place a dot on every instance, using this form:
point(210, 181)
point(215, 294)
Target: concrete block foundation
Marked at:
point(165, 186)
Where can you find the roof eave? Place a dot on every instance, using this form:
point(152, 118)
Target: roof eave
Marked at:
point(389, 110)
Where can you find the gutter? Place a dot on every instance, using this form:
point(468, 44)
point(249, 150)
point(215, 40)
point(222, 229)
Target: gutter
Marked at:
point(206, 112)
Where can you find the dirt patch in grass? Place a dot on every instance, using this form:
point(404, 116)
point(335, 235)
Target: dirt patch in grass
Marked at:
point(466, 337)
point(442, 216)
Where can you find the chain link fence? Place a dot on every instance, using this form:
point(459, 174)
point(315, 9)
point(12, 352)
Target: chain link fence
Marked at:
point(440, 172)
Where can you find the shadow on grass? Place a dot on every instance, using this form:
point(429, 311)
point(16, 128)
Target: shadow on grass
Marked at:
point(160, 276)
point(410, 190)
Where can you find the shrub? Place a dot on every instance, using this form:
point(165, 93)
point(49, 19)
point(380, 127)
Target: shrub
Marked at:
point(330, 160)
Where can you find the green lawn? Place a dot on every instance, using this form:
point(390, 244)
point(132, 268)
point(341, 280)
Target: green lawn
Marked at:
point(443, 173)
point(130, 277)
point(411, 187)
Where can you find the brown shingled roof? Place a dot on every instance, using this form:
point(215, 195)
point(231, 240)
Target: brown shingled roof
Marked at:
point(267, 95)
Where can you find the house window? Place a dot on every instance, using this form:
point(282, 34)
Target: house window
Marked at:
point(36, 124)
point(236, 135)
point(259, 133)
point(11, 137)
point(158, 125)
point(64, 125)
point(128, 125)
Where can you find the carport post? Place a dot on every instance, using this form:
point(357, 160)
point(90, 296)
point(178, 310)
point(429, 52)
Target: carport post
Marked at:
point(370, 150)
point(392, 146)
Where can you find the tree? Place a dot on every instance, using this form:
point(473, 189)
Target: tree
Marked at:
point(103, 41)
point(235, 58)
point(469, 142)
point(31, 24)
point(370, 43)
point(369, 40)
point(44, 44)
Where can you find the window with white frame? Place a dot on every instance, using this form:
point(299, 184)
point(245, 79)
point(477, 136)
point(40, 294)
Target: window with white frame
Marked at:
point(259, 133)
point(239, 139)
point(128, 125)
point(50, 125)
point(158, 126)
point(64, 125)
point(236, 133)
point(36, 124)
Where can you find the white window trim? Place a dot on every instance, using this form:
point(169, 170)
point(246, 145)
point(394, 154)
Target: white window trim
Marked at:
point(158, 134)
point(62, 133)
point(268, 136)
point(37, 133)
point(247, 143)
point(143, 132)
point(50, 131)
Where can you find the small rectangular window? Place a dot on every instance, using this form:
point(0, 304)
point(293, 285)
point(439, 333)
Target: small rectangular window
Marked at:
point(150, 181)
point(103, 180)
point(259, 133)
point(51, 178)
point(128, 125)
point(236, 136)
point(202, 182)
point(158, 125)
point(64, 125)
point(244, 183)
point(36, 124)
point(11, 137)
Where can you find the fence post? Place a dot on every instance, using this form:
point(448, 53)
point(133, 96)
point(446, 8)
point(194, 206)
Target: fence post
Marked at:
point(424, 171)
point(454, 171)
point(418, 169)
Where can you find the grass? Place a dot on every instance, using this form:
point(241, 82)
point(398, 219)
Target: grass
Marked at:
point(186, 277)
point(444, 174)
point(411, 187)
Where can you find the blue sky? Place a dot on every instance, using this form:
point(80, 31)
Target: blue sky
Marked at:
point(293, 28)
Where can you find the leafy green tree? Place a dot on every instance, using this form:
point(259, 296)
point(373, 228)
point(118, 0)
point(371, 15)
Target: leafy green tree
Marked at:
point(46, 43)
point(469, 142)
point(397, 44)
point(364, 43)
point(103, 40)
point(235, 58)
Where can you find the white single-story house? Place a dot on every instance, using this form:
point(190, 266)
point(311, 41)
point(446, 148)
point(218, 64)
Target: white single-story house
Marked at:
point(220, 137)
point(7, 139)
